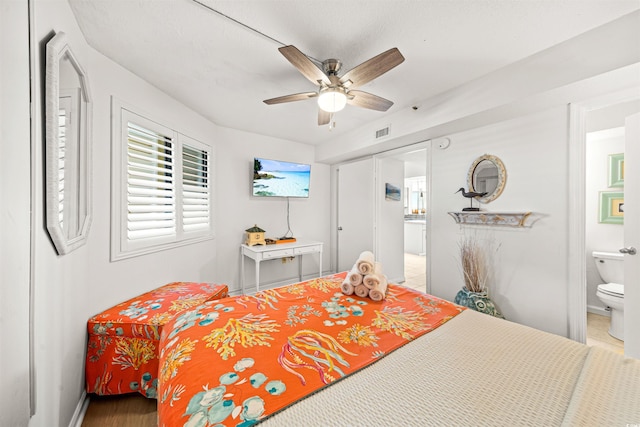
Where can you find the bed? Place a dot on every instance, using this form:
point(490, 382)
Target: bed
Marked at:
point(308, 355)
point(123, 340)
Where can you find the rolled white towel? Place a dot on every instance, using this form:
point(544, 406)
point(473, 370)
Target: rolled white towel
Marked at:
point(379, 292)
point(354, 277)
point(375, 277)
point(365, 262)
point(362, 291)
point(347, 288)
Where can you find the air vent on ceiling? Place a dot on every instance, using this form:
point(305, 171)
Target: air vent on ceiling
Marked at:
point(381, 133)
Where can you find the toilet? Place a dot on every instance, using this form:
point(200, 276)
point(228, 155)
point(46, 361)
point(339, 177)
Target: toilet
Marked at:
point(610, 266)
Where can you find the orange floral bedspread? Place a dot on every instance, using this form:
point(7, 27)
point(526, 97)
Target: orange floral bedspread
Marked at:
point(122, 350)
point(235, 361)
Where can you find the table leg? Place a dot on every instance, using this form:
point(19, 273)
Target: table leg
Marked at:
point(242, 270)
point(320, 262)
point(299, 268)
point(257, 275)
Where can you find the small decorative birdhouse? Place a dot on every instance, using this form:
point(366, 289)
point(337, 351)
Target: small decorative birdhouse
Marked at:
point(255, 236)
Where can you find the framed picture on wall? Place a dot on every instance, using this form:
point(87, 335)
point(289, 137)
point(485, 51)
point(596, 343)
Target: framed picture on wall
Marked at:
point(391, 192)
point(611, 207)
point(616, 170)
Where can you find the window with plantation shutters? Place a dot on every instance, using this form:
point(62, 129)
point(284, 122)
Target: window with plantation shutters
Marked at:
point(151, 201)
point(196, 210)
point(164, 196)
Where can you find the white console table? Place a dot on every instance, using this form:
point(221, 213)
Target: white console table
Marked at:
point(260, 253)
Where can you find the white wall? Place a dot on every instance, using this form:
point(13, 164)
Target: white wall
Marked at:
point(598, 236)
point(390, 219)
point(70, 289)
point(237, 210)
point(14, 213)
point(530, 269)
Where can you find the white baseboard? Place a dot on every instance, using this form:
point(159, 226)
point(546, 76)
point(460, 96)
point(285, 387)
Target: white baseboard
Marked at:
point(81, 409)
point(598, 310)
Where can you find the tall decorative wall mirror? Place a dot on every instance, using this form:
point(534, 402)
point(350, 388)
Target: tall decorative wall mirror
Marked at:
point(68, 147)
point(488, 175)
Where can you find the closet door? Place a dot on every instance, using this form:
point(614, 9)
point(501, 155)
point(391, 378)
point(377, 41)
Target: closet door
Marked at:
point(355, 211)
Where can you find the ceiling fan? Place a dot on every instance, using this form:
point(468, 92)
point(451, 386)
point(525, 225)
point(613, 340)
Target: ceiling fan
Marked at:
point(335, 92)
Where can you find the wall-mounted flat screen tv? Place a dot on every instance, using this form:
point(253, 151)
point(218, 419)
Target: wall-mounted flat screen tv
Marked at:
point(274, 178)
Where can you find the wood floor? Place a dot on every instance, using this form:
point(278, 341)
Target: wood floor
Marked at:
point(134, 410)
point(129, 410)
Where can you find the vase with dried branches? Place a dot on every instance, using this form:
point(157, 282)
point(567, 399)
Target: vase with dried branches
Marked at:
point(475, 271)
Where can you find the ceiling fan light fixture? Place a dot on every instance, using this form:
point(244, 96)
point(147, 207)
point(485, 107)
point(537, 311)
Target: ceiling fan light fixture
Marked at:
point(334, 92)
point(332, 100)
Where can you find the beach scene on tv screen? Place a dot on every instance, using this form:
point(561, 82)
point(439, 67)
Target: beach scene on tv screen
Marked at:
point(280, 179)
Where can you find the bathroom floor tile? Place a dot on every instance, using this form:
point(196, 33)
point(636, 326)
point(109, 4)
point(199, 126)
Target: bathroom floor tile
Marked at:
point(415, 272)
point(598, 333)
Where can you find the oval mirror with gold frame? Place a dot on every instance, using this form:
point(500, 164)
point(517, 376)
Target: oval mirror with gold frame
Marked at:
point(488, 175)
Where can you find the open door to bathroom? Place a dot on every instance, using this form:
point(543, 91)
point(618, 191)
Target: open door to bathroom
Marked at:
point(632, 236)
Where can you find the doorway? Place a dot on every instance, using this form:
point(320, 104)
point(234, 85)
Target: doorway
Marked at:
point(600, 234)
point(371, 216)
point(410, 217)
point(597, 137)
point(605, 148)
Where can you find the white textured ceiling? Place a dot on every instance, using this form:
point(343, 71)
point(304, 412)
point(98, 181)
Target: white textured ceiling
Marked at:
point(224, 71)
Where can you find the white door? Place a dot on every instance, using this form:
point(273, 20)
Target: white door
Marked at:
point(355, 211)
point(632, 237)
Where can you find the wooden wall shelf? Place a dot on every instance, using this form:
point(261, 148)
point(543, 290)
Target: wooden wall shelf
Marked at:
point(505, 219)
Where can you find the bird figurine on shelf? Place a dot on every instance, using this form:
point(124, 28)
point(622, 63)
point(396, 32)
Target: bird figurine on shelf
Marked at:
point(471, 195)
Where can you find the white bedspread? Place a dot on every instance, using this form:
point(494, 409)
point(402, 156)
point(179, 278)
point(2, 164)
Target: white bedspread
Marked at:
point(477, 370)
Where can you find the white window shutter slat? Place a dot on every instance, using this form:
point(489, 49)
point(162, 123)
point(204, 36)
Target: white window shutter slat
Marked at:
point(151, 198)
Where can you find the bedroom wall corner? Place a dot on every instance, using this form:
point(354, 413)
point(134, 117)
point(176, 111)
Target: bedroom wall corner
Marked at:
point(309, 218)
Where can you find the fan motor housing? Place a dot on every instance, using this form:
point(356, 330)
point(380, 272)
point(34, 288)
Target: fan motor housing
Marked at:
point(331, 66)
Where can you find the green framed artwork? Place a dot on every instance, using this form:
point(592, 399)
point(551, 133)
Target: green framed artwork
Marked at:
point(616, 170)
point(611, 207)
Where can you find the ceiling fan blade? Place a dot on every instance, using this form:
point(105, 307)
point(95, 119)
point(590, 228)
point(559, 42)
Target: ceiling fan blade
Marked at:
point(304, 65)
point(291, 98)
point(368, 100)
point(375, 67)
point(323, 117)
